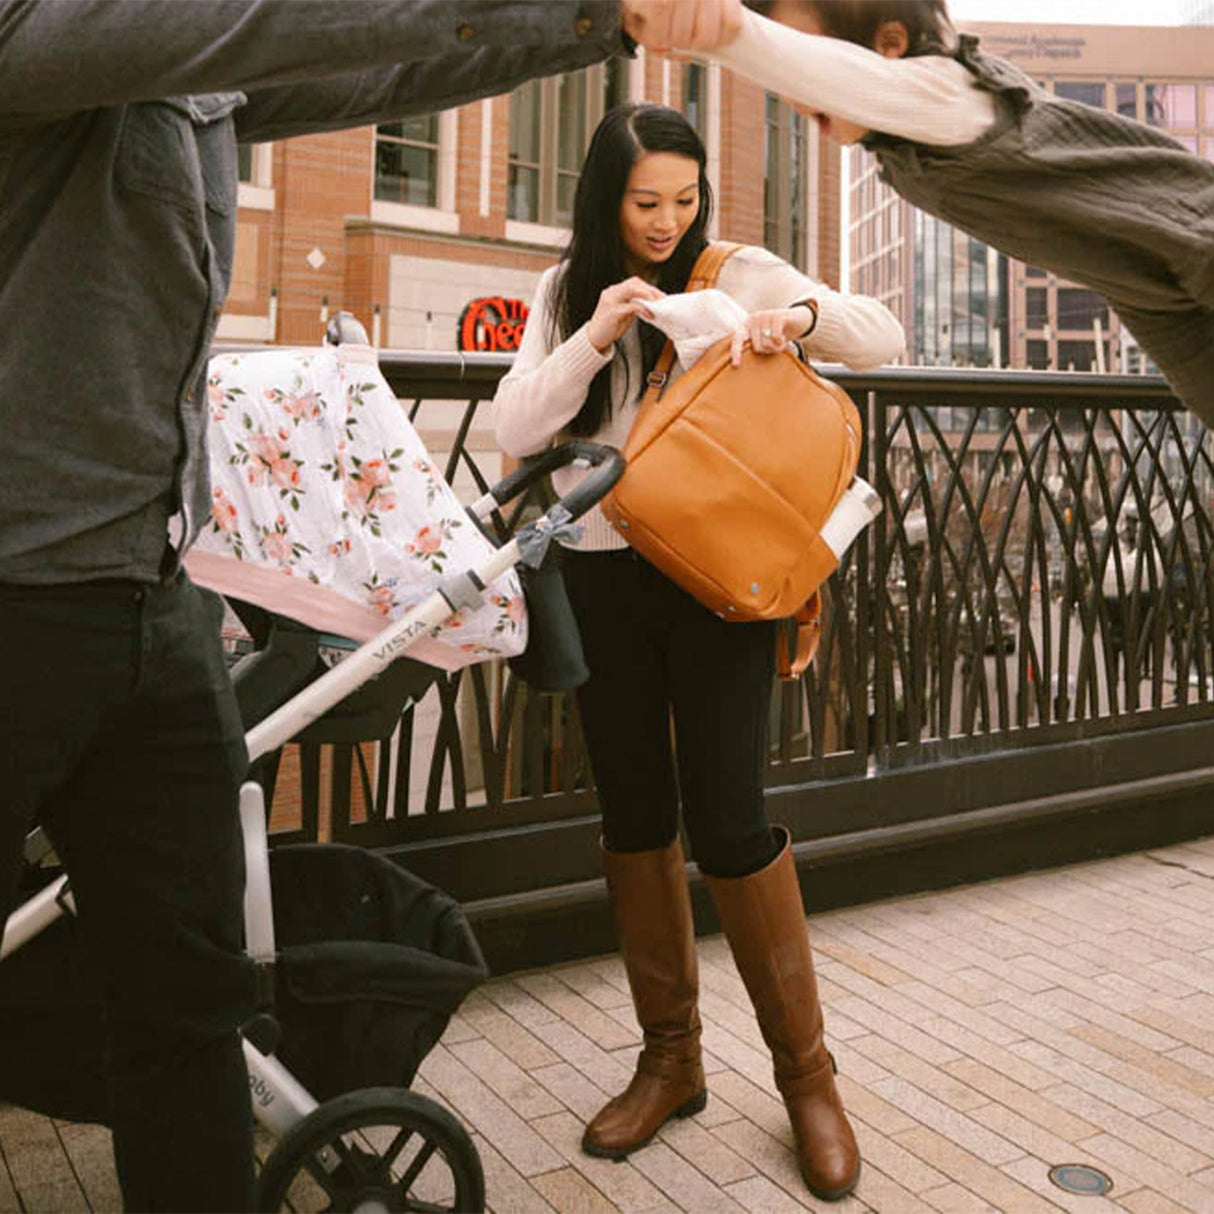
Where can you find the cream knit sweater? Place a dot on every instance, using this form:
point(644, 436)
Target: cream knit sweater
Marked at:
point(545, 388)
point(930, 99)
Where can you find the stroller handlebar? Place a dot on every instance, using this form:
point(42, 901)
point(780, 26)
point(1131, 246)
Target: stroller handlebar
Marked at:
point(607, 464)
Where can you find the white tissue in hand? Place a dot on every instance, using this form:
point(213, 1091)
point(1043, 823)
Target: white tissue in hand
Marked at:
point(696, 320)
point(856, 509)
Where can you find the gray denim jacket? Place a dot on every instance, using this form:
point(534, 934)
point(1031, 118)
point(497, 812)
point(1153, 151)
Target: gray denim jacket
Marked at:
point(119, 121)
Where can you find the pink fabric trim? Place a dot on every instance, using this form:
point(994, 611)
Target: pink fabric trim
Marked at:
point(308, 603)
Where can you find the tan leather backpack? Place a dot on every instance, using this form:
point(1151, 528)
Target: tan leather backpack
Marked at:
point(731, 473)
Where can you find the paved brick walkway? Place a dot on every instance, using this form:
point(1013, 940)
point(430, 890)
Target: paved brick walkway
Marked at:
point(983, 1034)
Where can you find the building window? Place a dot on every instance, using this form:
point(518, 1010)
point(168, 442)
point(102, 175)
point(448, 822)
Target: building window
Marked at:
point(523, 189)
point(1036, 307)
point(1127, 100)
point(255, 174)
point(695, 97)
point(1171, 106)
point(1037, 354)
point(1080, 309)
point(551, 122)
point(1077, 356)
point(1207, 122)
point(979, 309)
point(572, 140)
point(785, 206)
point(406, 161)
point(254, 163)
point(1086, 92)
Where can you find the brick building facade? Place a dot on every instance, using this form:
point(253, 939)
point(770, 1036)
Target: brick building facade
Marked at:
point(406, 225)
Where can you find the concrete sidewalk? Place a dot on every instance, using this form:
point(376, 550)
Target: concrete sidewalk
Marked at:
point(983, 1035)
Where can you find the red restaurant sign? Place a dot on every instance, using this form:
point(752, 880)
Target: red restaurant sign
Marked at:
point(493, 323)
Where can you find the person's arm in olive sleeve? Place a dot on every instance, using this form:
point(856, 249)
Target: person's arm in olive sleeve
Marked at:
point(61, 56)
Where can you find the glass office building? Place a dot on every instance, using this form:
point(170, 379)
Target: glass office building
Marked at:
point(966, 305)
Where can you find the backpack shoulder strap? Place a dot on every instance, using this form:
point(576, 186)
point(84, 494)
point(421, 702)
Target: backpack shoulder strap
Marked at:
point(708, 265)
point(703, 275)
point(807, 621)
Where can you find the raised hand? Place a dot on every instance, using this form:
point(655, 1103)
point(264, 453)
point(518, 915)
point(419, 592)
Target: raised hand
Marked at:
point(619, 305)
point(770, 331)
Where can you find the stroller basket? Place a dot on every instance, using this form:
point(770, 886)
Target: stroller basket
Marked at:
point(371, 963)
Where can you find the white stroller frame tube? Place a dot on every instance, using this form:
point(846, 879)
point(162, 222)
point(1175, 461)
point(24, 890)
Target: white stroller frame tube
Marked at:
point(279, 1099)
point(427, 617)
point(36, 915)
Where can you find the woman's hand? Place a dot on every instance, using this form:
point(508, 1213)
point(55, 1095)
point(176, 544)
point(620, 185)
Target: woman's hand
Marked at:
point(618, 307)
point(769, 332)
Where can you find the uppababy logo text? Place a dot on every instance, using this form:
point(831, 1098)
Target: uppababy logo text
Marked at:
point(261, 1091)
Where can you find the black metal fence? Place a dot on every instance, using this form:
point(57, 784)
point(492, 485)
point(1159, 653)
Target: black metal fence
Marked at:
point(1026, 632)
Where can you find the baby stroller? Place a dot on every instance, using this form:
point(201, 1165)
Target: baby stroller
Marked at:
point(366, 962)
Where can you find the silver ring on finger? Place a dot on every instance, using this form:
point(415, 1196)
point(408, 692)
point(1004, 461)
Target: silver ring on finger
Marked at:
point(766, 332)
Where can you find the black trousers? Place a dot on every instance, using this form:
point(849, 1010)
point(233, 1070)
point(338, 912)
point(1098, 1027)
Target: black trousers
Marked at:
point(119, 732)
point(657, 656)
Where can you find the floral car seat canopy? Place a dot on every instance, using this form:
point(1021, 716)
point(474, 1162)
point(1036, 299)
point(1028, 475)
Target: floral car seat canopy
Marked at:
point(327, 508)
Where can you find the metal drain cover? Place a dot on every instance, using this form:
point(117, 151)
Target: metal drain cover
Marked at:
point(1080, 1178)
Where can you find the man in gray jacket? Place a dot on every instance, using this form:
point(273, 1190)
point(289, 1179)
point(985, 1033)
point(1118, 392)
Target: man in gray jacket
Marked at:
point(119, 121)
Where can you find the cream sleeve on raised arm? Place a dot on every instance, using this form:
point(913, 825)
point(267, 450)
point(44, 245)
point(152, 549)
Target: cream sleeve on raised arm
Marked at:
point(856, 330)
point(543, 391)
point(928, 99)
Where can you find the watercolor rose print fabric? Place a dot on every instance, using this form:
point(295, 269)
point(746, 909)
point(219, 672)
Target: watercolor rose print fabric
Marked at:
point(317, 474)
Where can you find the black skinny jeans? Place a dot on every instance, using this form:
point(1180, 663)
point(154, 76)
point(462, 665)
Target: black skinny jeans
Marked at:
point(653, 651)
point(119, 731)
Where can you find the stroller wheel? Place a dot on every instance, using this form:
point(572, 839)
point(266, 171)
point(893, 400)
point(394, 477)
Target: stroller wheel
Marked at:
point(376, 1149)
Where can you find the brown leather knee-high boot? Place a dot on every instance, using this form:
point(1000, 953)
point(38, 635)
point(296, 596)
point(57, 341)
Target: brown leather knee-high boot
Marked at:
point(657, 939)
point(764, 922)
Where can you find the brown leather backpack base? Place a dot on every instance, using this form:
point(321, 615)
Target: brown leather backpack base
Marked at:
point(726, 473)
point(731, 472)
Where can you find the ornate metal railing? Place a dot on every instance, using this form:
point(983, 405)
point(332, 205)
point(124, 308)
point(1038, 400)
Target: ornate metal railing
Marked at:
point(1041, 576)
point(1059, 572)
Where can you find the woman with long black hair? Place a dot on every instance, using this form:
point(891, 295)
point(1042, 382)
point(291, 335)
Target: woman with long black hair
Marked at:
point(640, 218)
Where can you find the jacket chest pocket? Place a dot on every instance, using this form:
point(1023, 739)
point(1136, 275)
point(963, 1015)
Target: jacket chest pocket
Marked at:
point(177, 156)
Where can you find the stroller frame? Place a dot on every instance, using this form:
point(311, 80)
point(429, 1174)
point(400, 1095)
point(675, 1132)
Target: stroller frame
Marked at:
point(279, 1101)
